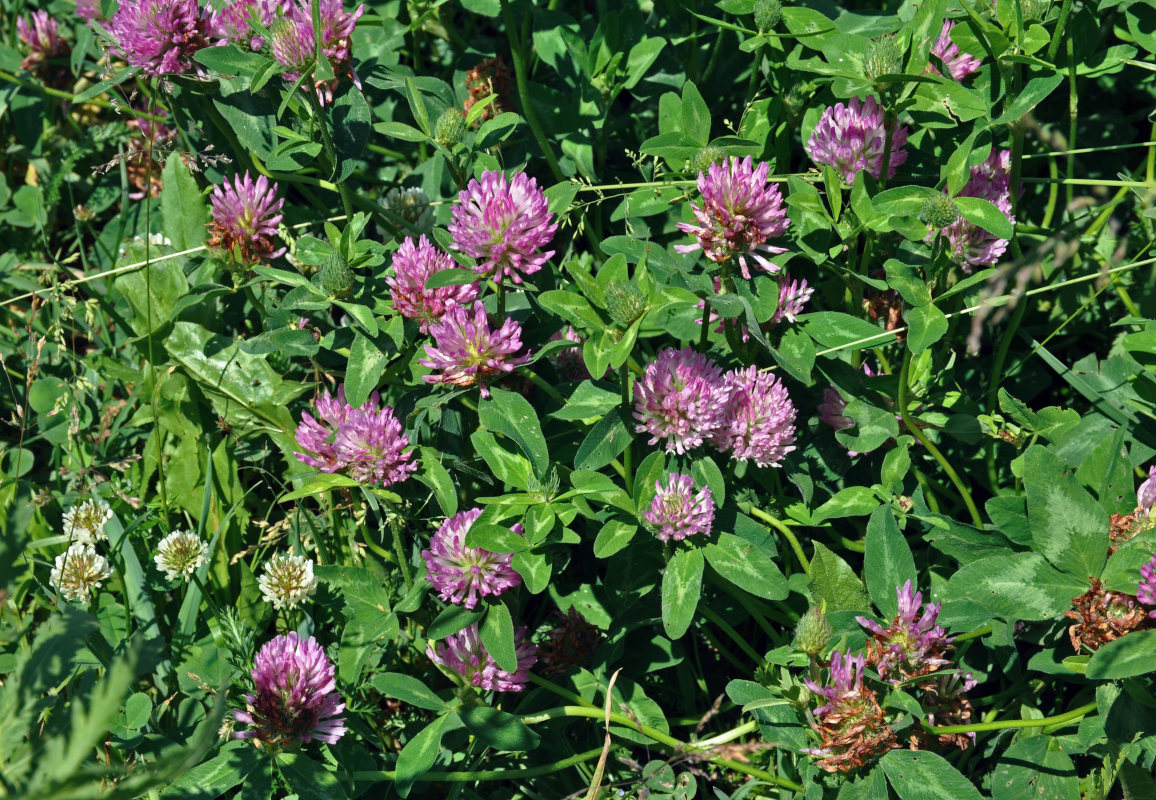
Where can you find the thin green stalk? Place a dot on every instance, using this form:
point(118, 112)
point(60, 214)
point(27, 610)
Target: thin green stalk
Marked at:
point(544, 385)
point(1004, 724)
point(787, 533)
point(1073, 120)
point(918, 433)
point(726, 628)
point(482, 775)
point(995, 380)
point(523, 78)
point(330, 147)
point(1054, 47)
point(399, 551)
point(628, 454)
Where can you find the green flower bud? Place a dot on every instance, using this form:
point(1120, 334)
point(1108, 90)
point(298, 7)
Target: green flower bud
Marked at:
point(336, 277)
point(450, 128)
point(624, 302)
point(813, 633)
point(939, 211)
point(768, 14)
point(884, 57)
point(710, 154)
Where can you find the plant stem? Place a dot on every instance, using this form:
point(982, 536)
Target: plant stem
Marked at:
point(330, 147)
point(1003, 724)
point(522, 78)
point(787, 533)
point(918, 433)
point(399, 551)
point(482, 775)
point(726, 628)
point(628, 454)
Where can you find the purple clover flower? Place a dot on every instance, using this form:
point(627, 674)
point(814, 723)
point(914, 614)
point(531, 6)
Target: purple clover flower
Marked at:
point(846, 683)
point(759, 424)
point(681, 398)
point(1146, 494)
point(958, 63)
point(677, 511)
point(245, 218)
point(913, 644)
point(832, 408)
point(468, 352)
point(503, 223)
point(569, 362)
point(739, 213)
point(88, 10)
point(160, 36)
point(234, 22)
point(367, 443)
point(970, 245)
point(793, 296)
point(296, 697)
point(465, 654)
point(459, 573)
point(851, 137)
point(413, 265)
point(1146, 594)
point(40, 34)
point(293, 42)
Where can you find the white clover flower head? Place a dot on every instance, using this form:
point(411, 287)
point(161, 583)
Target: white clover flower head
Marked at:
point(78, 571)
point(180, 554)
point(85, 523)
point(287, 580)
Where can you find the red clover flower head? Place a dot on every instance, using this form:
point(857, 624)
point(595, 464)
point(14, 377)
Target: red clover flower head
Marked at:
point(39, 33)
point(459, 573)
point(793, 296)
point(413, 265)
point(852, 726)
point(1146, 494)
point(852, 137)
point(468, 352)
point(235, 22)
point(967, 243)
point(846, 682)
point(681, 398)
point(160, 36)
point(294, 40)
point(368, 442)
point(759, 424)
point(739, 213)
point(245, 218)
point(677, 511)
point(88, 10)
point(913, 644)
point(1146, 594)
point(958, 63)
point(296, 697)
point(465, 654)
point(503, 223)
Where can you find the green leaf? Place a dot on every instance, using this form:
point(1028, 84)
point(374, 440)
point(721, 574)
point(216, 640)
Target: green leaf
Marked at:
point(586, 402)
point(1033, 93)
point(217, 775)
point(695, 115)
point(902, 201)
point(437, 478)
point(495, 538)
point(507, 466)
point(497, 635)
point(182, 205)
point(152, 292)
point(417, 106)
point(137, 710)
point(605, 441)
point(615, 535)
point(746, 566)
point(229, 59)
point(450, 621)
point(352, 123)
point(1134, 654)
point(408, 689)
point(1019, 586)
point(451, 277)
point(309, 778)
point(921, 775)
point(833, 581)
point(535, 569)
point(854, 501)
point(836, 329)
point(319, 484)
point(887, 562)
point(927, 326)
point(364, 369)
point(681, 587)
point(873, 427)
point(498, 729)
point(399, 130)
point(495, 131)
point(511, 415)
point(1068, 527)
point(1035, 768)
point(983, 213)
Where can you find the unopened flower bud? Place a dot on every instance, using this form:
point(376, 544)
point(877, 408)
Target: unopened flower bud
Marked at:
point(450, 128)
point(939, 211)
point(412, 205)
point(624, 302)
point(884, 57)
point(768, 14)
point(336, 277)
point(711, 154)
point(813, 633)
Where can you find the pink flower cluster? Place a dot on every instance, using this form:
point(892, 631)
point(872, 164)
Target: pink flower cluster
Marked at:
point(461, 574)
point(686, 400)
point(294, 42)
point(40, 34)
point(468, 351)
point(958, 63)
point(677, 511)
point(912, 644)
point(367, 443)
point(739, 213)
point(1146, 594)
point(245, 218)
point(465, 654)
point(970, 245)
point(413, 265)
point(161, 36)
point(296, 697)
point(504, 223)
point(235, 22)
point(852, 137)
point(1146, 494)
